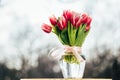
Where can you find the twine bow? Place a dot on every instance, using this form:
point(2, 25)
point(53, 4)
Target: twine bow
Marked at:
point(58, 52)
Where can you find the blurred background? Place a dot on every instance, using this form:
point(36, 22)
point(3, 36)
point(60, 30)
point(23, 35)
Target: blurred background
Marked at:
point(24, 46)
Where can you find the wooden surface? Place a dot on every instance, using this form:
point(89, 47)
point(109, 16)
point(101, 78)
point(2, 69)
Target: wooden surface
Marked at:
point(65, 79)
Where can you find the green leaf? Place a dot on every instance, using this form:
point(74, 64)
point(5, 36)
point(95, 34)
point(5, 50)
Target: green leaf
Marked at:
point(79, 35)
point(59, 37)
point(73, 34)
point(64, 36)
point(84, 37)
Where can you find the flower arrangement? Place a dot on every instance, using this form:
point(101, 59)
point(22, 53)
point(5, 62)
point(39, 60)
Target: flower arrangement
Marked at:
point(71, 29)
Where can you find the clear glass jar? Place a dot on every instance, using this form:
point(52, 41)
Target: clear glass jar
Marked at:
point(72, 70)
point(71, 67)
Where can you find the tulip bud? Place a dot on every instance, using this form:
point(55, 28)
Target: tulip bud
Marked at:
point(84, 18)
point(78, 23)
point(46, 28)
point(60, 26)
point(67, 14)
point(75, 19)
point(62, 23)
point(87, 28)
point(89, 21)
point(53, 20)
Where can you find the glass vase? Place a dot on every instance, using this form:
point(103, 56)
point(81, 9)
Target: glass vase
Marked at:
point(72, 70)
point(71, 67)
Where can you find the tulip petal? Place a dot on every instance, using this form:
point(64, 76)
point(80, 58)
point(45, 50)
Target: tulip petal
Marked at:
point(46, 28)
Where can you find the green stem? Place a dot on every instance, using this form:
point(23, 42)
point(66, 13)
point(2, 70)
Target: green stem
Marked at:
point(69, 33)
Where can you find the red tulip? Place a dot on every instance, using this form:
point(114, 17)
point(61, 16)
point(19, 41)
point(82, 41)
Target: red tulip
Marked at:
point(79, 22)
point(60, 26)
point(62, 23)
point(89, 21)
point(53, 20)
point(75, 19)
point(46, 28)
point(87, 28)
point(84, 18)
point(67, 14)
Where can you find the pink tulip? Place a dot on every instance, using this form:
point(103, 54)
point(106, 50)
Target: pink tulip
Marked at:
point(62, 23)
point(46, 28)
point(53, 20)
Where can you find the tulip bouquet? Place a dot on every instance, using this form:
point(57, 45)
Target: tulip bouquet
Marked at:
point(71, 29)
